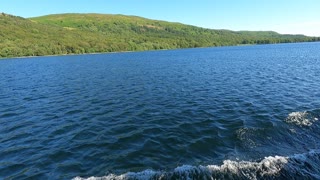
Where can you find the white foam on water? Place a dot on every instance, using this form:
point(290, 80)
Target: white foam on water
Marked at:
point(269, 166)
point(143, 175)
point(301, 118)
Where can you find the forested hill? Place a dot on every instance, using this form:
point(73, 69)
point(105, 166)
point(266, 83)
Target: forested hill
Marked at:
point(92, 33)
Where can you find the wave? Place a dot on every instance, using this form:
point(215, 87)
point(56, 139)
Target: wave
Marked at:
point(273, 167)
point(301, 118)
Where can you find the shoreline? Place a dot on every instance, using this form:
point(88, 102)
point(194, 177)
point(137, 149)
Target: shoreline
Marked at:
point(115, 52)
point(54, 55)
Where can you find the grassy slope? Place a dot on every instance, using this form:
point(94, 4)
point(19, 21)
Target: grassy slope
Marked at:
point(89, 33)
point(23, 37)
point(145, 33)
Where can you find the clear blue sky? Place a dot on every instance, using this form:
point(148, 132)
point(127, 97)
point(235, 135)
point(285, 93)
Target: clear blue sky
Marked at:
point(284, 16)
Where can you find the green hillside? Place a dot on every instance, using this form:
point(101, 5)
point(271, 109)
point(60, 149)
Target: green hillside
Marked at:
point(91, 33)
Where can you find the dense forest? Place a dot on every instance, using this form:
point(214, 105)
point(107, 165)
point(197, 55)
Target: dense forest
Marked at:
point(93, 33)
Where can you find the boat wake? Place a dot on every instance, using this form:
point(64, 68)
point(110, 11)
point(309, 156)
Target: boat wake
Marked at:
point(273, 167)
point(301, 118)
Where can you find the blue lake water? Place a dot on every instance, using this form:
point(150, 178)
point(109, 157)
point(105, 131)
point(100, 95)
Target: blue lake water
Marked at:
point(231, 112)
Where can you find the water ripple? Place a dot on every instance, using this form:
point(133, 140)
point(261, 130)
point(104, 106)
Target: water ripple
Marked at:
point(180, 113)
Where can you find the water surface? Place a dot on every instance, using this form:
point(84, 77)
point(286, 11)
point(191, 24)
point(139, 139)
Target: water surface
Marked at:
point(229, 112)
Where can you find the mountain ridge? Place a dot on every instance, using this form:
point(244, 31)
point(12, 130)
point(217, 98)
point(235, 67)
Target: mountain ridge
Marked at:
point(78, 33)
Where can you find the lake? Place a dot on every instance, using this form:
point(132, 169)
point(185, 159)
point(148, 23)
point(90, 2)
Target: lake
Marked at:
point(240, 112)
